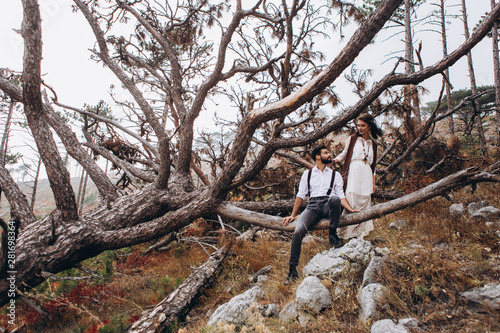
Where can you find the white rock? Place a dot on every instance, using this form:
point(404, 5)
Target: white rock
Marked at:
point(312, 296)
point(398, 225)
point(352, 256)
point(269, 310)
point(457, 209)
point(235, 311)
point(487, 297)
point(475, 206)
point(488, 213)
point(371, 274)
point(388, 326)
point(409, 322)
point(370, 300)
point(289, 312)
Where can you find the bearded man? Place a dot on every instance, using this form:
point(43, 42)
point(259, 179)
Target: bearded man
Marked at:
point(326, 196)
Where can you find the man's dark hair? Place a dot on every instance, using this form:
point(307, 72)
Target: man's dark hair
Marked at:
point(317, 151)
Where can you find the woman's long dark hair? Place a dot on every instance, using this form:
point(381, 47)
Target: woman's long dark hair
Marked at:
point(368, 118)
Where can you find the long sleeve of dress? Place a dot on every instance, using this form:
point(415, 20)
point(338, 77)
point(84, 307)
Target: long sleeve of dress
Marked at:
point(341, 157)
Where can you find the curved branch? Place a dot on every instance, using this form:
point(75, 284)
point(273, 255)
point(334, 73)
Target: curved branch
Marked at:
point(421, 137)
point(114, 123)
point(338, 122)
point(106, 188)
point(361, 38)
point(169, 52)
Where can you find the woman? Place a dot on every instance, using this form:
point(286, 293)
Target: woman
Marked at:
point(359, 161)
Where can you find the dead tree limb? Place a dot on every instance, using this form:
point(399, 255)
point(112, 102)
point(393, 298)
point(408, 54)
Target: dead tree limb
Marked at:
point(181, 299)
point(457, 180)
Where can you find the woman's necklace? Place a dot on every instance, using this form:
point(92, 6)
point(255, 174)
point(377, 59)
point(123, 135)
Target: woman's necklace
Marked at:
point(365, 153)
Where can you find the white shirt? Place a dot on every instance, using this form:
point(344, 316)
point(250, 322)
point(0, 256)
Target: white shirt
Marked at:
point(320, 183)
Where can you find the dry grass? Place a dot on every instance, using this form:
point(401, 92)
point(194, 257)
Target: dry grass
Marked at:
point(433, 259)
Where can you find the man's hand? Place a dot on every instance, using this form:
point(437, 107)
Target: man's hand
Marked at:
point(288, 219)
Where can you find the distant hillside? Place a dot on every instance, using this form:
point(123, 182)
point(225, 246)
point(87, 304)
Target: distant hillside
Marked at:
point(44, 201)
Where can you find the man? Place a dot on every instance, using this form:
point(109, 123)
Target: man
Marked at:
point(326, 194)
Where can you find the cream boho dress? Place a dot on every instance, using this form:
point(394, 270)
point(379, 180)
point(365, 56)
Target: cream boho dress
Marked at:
point(359, 185)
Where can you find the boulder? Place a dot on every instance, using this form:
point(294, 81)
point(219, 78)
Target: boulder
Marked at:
point(269, 310)
point(312, 296)
point(488, 213)
point(370, 300)
point(372, 272)
point(235, 311)
point(309, 239)
point(475, 206)
point(457, 210)
point(289, 312)
point(398, 225)
point(262, 278)
point(382, 251)
point(388, 326)
point(331, 263)
point(409, 322)
point(483, 298)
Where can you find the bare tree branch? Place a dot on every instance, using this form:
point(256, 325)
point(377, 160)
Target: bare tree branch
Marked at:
point(20, 209)
point(33, 108)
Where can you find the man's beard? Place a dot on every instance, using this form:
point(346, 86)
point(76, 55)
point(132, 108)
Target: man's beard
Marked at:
point(326, 160)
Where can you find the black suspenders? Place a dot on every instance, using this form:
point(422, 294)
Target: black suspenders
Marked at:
point(309, 183)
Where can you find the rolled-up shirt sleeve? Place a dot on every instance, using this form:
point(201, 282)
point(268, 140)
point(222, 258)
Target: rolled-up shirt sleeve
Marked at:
point(338, 186)
point(302, 192)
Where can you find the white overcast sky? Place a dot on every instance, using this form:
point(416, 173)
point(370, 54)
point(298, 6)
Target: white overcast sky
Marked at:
point(77, 79)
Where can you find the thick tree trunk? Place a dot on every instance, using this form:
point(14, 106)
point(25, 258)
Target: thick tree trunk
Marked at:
point(444, 44)
point(33, 108)
point(411, 93)
point(473, 86)
point(181, 299)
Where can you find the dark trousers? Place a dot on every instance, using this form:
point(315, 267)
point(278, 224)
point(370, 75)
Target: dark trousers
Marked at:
point(317, 209)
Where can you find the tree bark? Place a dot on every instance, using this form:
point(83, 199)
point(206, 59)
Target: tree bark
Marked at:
point(472, 78)
point(20, 208)
point(442, 12)
point(5, 138)
point(181, 299)
point(35, 184)
point(496, 72)
point(33, 108)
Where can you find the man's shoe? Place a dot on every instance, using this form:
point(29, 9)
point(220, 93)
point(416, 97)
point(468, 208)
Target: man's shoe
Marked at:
point(292, 275)
point(335, 241)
